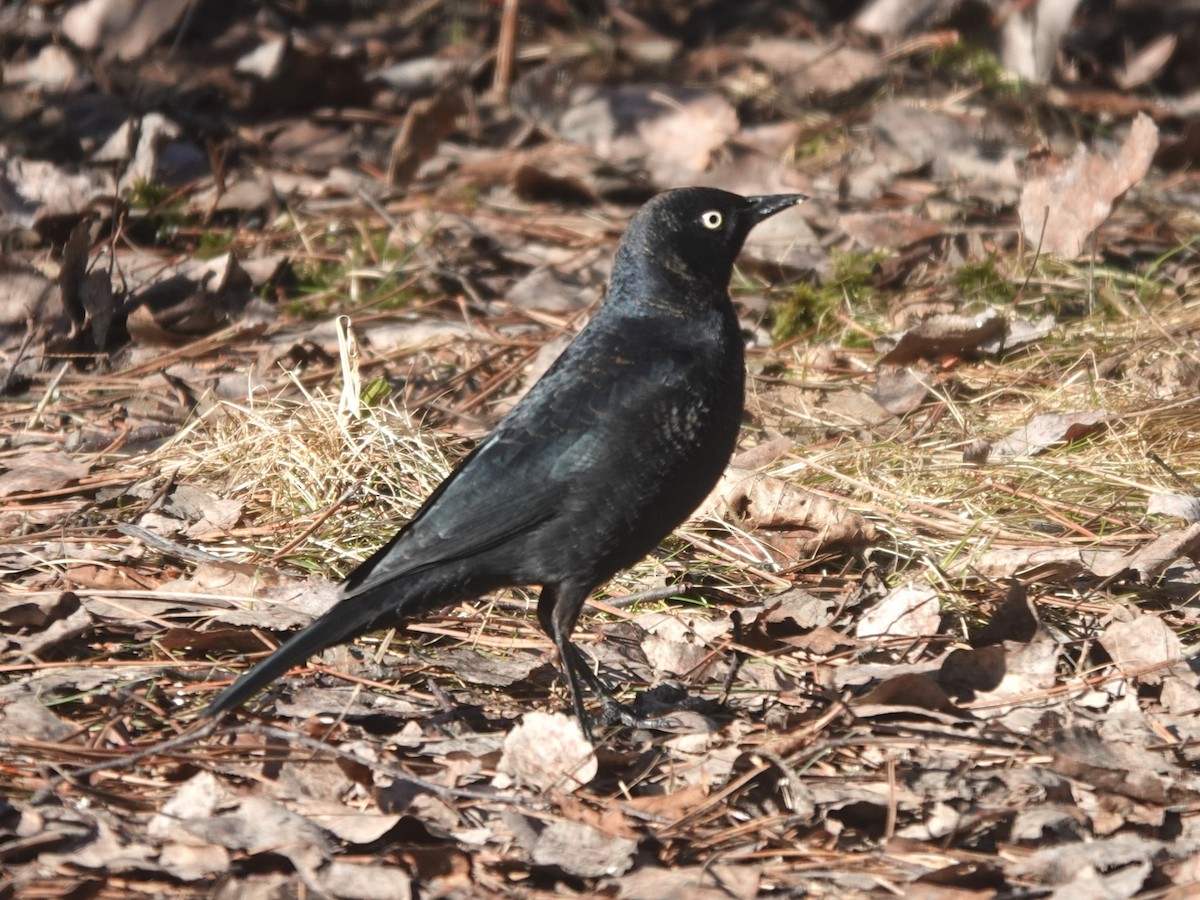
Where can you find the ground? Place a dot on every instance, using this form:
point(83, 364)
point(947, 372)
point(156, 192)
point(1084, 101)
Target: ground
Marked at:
point(270, 270)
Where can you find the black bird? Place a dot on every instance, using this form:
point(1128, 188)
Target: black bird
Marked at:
point(612, 449)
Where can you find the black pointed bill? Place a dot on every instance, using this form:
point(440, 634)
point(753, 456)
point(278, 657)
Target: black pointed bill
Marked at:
point(765, 206)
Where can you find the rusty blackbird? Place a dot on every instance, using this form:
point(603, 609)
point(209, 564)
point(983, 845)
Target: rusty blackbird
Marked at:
point(605, 455)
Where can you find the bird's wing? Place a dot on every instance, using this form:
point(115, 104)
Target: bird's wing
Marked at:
point(520, 476)
point(479, 506)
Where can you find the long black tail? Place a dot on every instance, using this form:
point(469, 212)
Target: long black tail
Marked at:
point(349, 617)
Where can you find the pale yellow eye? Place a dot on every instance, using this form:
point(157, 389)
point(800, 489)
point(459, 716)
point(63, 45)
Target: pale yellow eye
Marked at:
point(711, 219)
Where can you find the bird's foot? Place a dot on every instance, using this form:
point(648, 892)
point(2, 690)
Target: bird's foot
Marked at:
point(656, 710)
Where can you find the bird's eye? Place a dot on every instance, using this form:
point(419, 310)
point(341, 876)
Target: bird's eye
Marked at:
point(711, 219)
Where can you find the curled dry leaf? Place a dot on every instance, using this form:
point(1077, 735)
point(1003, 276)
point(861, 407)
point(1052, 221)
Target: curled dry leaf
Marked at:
point(705, 882)
point(38, 471)
point(877, 231)
point(1060, 209)
point(677, 642)
point(764, 501)
point(1146, 562)
point(1183, 506)
point(911, 610)
point(583, 851)
point(548, 751)
point(199, 298)
point(35, 610)
point(814, 68)
point(1143, 642)
point(496, 671)
point(121, 29)
point(427, 123)
point(262, 826)
point(939, 336)
point(41, 190)
point(674, 131)
point(1046, 431)
point(29, 720)
point(1151, 560)
point(1116, 867)
point(65, 618)
point(364, 881)
point(900, 391)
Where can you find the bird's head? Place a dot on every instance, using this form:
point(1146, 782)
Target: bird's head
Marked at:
point(694, 233)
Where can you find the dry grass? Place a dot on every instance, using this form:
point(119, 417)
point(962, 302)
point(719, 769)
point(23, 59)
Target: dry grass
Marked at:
point(316, 480)
point(324, 477)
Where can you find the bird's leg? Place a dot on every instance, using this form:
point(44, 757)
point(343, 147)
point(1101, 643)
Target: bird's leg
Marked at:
point(558, 610)
point(555, 608)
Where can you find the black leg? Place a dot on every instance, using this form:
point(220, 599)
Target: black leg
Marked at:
point(558, 610)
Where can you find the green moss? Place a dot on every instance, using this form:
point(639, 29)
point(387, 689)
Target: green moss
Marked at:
point(812, 307)
point(161, 209)
point(151, 195)
point(319, 284)
point(964, 62)
point(214, 243)
point(983, 283)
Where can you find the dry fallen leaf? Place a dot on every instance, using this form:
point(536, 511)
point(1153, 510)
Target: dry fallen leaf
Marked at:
point(1060, 209)
point(757, 500)
point(1145, 641)
point(911, 610)
point(427, 123)
point(939, 336)
point(1150, 560)
point(547, 751)
point(900, 391)
point(877, 231)
point(40, 471)
point(1046, 431)
point(1183, 506)
point(811, 67)
point(582, 850)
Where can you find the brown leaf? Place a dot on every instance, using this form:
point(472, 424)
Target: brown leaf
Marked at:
point(496, 671)
point(364, 881)
point(812, 68)
point(939, 336)
point(763, 501)
point(1145, 641)
point(1060, 209)
point(199, 298)
point(878, 231)
point(706, 882)
point(582, 850)
point(1117, 766)
point(674, 131)
point(547, 751)
point(125, 29)
point(1146, 62)
point(900, 391)
point(1046, 431)
point(29, 720)
point(1152, 559)
point(1182, 506)
point(34, 611)
point(427, 123)
point(910, 610)
point(38, 471)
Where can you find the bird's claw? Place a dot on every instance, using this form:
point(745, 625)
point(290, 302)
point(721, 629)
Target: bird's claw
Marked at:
point(613, 712)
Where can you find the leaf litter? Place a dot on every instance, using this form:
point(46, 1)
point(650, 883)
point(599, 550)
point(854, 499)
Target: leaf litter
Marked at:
point(889, 668)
